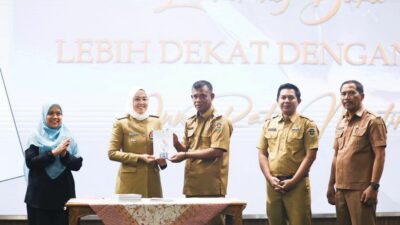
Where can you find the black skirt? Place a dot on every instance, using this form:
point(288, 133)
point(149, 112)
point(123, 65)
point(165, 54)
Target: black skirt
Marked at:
point(37, 216)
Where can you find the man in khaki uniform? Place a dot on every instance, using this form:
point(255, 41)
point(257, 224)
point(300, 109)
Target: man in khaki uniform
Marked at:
point(287, 148)
point(205, 147)
point(357, 165)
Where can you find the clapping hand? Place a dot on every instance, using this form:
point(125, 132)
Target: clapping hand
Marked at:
point(61, 149)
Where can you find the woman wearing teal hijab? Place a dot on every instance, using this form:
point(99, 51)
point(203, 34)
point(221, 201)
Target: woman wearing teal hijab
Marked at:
point(51, 154)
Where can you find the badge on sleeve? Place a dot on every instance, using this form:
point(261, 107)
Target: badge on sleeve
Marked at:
point(311, 132)
point(218, 127)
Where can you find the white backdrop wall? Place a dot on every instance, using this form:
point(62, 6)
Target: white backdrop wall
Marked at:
point(88, 54)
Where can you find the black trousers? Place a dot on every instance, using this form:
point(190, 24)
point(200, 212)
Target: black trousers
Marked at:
point(38, 216)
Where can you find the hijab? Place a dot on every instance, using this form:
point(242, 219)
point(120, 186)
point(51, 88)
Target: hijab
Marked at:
point(47, 139)
point(129, 105)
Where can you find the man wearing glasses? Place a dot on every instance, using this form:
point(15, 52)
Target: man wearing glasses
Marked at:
point(205, 148)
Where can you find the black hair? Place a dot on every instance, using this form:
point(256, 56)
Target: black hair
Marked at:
point(359, 86)
point(201, 83)
point(289, 86)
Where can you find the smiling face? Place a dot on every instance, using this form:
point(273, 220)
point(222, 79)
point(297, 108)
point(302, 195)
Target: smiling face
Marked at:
point(54, 117)
point(140, 102)
point(288, 101)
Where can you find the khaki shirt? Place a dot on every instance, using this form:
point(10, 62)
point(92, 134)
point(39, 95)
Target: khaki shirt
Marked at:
point(207, 176)
point(354, 139)
point(129, 139)
point(287, 142)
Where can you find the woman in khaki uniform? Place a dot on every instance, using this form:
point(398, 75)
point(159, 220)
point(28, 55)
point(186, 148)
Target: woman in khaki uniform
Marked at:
point(131, 144)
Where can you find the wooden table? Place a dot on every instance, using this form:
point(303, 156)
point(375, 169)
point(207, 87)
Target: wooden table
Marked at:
point(81, 207)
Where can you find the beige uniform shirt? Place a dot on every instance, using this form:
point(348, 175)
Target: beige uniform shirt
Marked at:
point(354, 140)
point(207, 176)
point(129, 139)
point(287, 142)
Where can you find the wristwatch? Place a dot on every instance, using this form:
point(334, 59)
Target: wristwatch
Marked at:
point(374, 186)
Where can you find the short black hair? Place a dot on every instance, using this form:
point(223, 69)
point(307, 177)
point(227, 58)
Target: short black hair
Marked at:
point(289, 86)
point(201, 83)
point(359, 86)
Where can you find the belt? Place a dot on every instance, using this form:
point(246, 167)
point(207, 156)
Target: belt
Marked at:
point(288, 177)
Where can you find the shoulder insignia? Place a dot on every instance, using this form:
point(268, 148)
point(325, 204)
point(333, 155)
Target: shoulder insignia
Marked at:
point(154, 116)
point(311, 132)
point(218, 126)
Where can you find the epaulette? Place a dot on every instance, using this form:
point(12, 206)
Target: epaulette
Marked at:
point(192, 117)
point(154, 116)
point(305, 117)
point(271, 118)
point(190, 120)
point(122, 117)
point(373, 113)
point(217, 115)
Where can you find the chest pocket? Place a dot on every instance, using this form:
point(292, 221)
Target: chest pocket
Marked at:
point(296, 134)
point(205, 138)
point(359, 137)
point(339, 138)
point(189, 138)
point(295, 139)
point(271, 134)
point(359, 131)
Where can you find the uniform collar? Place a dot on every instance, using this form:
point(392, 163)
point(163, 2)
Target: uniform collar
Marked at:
point(292, 118)
point(359, 113)
point(207, 114)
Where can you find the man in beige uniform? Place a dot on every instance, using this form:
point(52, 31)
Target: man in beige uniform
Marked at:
point(287, 148)
point(205, 147)
point(357, 165)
